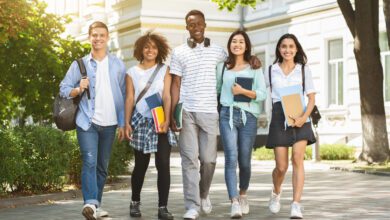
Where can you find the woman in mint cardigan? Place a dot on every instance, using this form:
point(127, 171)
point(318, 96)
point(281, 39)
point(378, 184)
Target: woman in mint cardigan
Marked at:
point(238, 119)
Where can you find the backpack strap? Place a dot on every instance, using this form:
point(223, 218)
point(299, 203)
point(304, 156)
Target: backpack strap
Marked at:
point(269, 76)
point(83, 72)
point(223, 71)
point(303, 79)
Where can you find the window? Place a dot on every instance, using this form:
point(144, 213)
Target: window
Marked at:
point(385, 58)
point(335, 72)
point(261, 56)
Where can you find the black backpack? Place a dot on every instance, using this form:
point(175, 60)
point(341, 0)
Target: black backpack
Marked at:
point(64, 109)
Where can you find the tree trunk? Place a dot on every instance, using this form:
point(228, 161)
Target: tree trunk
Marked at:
point(364, 27)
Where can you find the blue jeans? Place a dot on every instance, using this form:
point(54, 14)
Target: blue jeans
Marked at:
point(95, 146)
point(237, 143)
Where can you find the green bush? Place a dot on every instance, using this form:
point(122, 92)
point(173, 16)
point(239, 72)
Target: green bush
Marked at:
point(121, 155)
point(10, 162)
point(37, 158)
point(336, 152)
point(263, 153)
point(327, 152)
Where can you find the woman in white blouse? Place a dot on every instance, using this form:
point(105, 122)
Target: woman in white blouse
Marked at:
point(289, 69)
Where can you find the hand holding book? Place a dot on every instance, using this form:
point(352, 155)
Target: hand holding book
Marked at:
point(298, 121)
point(164, 127)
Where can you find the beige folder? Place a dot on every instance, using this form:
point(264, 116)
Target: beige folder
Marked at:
point(292, 106)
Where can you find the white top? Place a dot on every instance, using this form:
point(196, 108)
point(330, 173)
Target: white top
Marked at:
point(280, 80)
point(105, 114)
point(140, 78)
point(197, 68)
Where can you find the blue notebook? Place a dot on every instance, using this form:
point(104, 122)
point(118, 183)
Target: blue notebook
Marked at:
point(246, 83)
point(154, 101)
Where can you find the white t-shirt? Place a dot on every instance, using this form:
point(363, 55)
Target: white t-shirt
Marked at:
point(197, 68)
point(105, 114)
point(140, 78)
point(280, 80)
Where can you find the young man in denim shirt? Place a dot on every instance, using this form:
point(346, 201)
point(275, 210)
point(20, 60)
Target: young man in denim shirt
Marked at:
point(99, 115)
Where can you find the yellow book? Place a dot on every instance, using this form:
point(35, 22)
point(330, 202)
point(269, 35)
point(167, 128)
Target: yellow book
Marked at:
point(158, 117)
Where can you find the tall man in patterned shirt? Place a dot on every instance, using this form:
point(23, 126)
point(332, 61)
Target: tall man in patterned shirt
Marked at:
point(194, 80)
point(193, 67)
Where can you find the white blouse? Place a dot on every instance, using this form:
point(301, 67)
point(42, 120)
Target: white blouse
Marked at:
point(280, 80)
point(140, 78)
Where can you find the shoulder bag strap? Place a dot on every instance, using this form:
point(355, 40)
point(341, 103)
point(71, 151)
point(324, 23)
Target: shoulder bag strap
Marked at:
point(150, 81)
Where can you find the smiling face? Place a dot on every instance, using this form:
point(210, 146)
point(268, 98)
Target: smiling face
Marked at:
point(238, 46)
point(196, 26)
point(288, 49)
point(98, 38)
point(150, 51)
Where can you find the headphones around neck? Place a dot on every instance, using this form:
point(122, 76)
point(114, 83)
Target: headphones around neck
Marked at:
point(192, 44)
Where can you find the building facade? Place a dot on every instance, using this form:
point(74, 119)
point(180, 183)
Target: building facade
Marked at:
point(319, 25)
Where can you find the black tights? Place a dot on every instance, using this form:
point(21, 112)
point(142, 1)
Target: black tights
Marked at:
point(162, 157)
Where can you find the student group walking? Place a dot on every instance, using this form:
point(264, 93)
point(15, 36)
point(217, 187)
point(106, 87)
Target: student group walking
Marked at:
point(200, 76)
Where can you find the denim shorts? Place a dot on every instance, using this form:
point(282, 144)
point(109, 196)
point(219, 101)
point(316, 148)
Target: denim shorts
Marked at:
point(279, 135)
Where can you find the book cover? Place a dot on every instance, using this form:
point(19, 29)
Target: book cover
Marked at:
point(154, 100)
point(158, 117)
point(293, 102)
point(246, 83)
point(178, 114)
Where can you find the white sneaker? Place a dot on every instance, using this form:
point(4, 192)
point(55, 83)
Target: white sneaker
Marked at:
point(296, 211)
point(101, 213)
point(89, 211)
point(236, 209)
point(244, 204)
point(205, 205)
point(274, 202)
point(191, 214)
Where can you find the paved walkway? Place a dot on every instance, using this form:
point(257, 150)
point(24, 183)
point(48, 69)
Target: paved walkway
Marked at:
point(328, 195)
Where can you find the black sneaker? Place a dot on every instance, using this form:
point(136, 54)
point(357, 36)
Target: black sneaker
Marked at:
point(134, 209)
point(164, 214)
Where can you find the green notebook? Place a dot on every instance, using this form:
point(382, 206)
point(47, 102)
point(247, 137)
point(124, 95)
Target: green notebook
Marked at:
point(179, 115)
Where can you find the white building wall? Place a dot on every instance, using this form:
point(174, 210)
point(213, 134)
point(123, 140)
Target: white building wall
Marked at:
point(313, 22)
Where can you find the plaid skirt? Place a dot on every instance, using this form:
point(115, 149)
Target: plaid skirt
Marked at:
point(279, 135)
point(144, 137)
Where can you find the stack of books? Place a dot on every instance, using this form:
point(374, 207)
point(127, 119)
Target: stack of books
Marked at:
point(155, 105)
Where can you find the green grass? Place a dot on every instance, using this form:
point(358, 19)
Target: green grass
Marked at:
point(385, 167)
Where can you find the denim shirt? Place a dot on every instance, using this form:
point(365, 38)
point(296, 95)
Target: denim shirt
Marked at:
point(117, 72)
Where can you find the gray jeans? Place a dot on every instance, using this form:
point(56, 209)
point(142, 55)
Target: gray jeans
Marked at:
point(198, 141)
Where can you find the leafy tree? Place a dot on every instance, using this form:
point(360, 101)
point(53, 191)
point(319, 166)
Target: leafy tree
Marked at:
point(32, 64)
point(230, 5)
point(363, 23)
point(12, 18)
